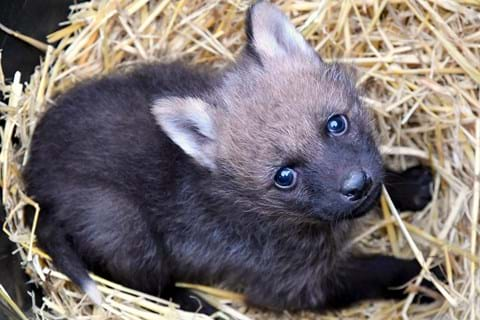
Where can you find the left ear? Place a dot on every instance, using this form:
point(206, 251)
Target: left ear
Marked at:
point(189, 123)
point(271, 34)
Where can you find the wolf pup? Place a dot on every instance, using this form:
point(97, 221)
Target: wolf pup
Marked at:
point(248, 178)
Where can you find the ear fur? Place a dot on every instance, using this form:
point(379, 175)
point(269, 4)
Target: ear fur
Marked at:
point(270, 34)
point(189, 124)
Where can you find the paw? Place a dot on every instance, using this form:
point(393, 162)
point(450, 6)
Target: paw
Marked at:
point(411, 189)
point(428, 293)
point(404, 281)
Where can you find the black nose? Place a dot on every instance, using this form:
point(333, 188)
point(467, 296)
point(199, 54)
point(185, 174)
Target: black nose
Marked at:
point(356, 185)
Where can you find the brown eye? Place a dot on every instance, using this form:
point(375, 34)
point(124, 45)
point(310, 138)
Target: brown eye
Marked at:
point(337, 125)
point(285, 178)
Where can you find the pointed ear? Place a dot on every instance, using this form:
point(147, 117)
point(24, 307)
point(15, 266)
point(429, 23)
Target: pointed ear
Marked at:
point(189, 124)
point(271, 34)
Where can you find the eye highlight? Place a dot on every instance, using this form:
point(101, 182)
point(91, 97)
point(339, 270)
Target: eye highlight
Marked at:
point(285, 178)
point(337, 125)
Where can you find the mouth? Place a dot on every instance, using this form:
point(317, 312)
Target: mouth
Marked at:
point(366, 204)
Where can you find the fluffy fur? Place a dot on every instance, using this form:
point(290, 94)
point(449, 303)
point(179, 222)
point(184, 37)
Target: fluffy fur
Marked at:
point(165, 174)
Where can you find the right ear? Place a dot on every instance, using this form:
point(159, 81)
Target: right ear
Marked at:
point(189, 124)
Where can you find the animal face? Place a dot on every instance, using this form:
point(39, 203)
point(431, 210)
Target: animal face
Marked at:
point(285, 133)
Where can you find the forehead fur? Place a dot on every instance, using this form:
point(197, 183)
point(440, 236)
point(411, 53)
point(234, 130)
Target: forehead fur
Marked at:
point(275, 112)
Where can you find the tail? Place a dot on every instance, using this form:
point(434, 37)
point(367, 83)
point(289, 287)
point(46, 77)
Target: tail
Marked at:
point(54, 241)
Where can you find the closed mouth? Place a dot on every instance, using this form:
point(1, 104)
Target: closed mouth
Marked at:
point(366, 205)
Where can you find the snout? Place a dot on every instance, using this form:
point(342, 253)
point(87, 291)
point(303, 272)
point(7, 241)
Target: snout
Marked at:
point(356, 185)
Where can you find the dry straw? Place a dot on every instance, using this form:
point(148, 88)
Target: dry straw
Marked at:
point(419, 63)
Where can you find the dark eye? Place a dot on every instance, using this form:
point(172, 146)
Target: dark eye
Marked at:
point(285, 178)
point(337, 124)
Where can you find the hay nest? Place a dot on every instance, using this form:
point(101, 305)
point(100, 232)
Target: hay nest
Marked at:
point(419, 63)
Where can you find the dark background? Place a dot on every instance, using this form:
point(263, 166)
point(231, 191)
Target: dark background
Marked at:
point(35, 18)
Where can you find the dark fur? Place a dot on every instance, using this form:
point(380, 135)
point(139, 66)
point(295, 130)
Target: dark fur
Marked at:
point(411, 189)
point(119, 198)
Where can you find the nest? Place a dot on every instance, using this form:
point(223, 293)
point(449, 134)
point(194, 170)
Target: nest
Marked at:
point(419, 64)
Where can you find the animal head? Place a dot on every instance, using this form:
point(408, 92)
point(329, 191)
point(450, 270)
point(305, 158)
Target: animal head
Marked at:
point(284, 133)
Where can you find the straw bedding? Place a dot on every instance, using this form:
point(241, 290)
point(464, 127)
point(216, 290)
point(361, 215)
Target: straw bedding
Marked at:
point(419, 62)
